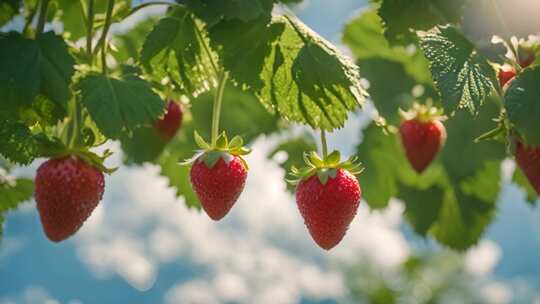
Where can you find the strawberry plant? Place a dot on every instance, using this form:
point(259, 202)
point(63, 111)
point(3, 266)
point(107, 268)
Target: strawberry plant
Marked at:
point(172, 87)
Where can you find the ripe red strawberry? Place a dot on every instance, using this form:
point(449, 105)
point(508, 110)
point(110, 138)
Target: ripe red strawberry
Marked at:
point(422, 141)
point(171, 122)
point(528, 159)
point(506, 74)
point(328, 209)
point(67, 191)
point(219, 186)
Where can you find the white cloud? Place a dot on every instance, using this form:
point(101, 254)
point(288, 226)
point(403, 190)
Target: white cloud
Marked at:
point(10, 246)
point(34, 295)
point(260, 253)
point(497, 293)
point(481, 259)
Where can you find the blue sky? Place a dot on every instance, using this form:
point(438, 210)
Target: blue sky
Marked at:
point(143, 246)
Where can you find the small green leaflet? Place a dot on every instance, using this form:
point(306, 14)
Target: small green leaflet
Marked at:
point(30, 67)
point(20, 73)
point(522, 101)
point(56, 67)
point(8, 9)
point(14, 191)
point(402, 17)
point(17, 143)
point(462, 75)
point(177, 46)
point(117, 103)
point(294, 71)
point(364, 37)
point(213, 11)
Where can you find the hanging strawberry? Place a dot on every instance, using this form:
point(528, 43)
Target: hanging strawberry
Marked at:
point(69, 186)
point(422, 135)
point(218, 174)
point(218, 171)
point(67, 191)
point(168, 126)
point(328, 195)
point(528, 159)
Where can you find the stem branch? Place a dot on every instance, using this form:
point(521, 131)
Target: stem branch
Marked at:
point(108, 21)
point(42, 16)
point(30, 17)
point(218, 100)
point(89, 28)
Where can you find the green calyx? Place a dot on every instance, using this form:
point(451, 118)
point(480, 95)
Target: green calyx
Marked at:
point(423, 113)
point(223, 148)
point(55, 148)
point(325, 168)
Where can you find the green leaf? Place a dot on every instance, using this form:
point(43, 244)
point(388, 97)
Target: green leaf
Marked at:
point(178, 177)
point(145, 144)
point(118, 104)
point(14, 191)
point(381, 155)
point(295, 72)
point(212, 11)
point(17, 143)
point(177, 47)
point(522, 102)
point(463, 76)
point(128, 45)
point(364, 36)
point(70, 14)
point(8, 9)
point(402, 17)
point(56, 68)
point(20, 72)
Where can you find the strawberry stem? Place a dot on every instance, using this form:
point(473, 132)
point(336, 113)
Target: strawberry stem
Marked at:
point(42, 16)
point(89, 29)
point(324, 144)
point(218, 100)
point(108, 21)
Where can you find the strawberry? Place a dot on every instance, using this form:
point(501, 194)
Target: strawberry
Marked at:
point(328, 209)
point(218, 187)
point(528, 159)
point(67, 191)
point(422, 135)
point(218, 174)
point(328, 195)
point(171, 122)
point(506, 74)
